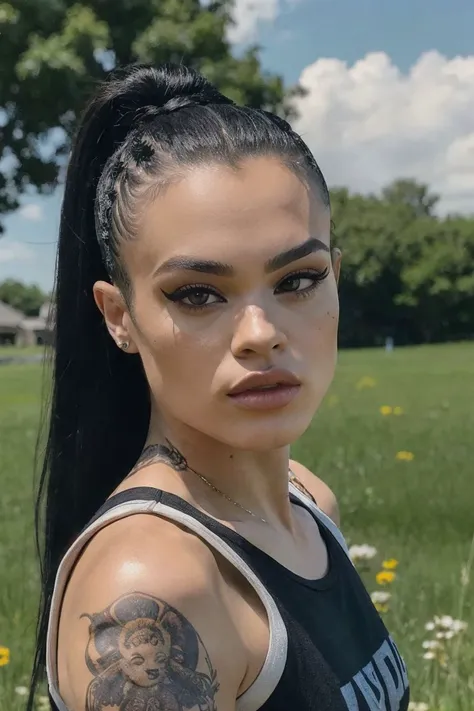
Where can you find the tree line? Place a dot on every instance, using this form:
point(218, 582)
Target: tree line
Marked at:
point(407, 273)
point(27, 298)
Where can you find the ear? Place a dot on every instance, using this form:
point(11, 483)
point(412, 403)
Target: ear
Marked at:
point(113, 308)
point(336, 257)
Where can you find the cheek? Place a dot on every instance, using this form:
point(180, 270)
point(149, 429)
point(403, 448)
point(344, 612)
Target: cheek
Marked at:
point(177, 361)
point(319, 322)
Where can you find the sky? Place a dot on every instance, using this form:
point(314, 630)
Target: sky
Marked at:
point(390, 93)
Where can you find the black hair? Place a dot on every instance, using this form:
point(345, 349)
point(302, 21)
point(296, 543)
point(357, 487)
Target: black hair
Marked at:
point(142, 127)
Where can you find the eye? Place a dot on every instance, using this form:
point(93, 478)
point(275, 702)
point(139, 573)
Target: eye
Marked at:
point(302, 283)
point(137, 660)
point(194, 296)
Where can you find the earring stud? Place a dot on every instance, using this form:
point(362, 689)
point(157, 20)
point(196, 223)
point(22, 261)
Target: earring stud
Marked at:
point(124, 345)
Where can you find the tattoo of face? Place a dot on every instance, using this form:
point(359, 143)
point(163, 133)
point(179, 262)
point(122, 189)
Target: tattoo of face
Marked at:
point(146, 656)
point(161, 453)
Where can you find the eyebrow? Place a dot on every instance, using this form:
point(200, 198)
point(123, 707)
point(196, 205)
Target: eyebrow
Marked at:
point(313, 244)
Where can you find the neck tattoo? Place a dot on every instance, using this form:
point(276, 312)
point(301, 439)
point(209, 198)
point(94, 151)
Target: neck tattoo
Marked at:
point(168, 454)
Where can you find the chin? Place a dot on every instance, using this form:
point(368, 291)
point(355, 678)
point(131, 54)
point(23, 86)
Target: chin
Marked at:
point(265, 434)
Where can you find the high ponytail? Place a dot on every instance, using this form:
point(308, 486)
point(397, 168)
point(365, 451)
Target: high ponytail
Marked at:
point(143, 123)
point(99, 404)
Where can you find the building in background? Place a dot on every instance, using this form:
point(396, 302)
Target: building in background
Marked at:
point(10, 320)
point(20, 330)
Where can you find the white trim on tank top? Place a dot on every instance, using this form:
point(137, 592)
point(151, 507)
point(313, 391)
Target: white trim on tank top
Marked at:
point(267, 680)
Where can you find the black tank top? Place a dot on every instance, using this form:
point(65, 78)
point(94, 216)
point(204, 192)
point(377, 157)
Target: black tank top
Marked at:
point(329, 648)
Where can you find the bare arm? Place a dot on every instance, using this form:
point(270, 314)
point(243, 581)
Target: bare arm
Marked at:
point(320, 491)
point(146, 630)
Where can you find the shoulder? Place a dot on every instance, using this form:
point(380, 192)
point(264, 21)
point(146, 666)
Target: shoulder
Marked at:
point(323, 495)
point(144, 623)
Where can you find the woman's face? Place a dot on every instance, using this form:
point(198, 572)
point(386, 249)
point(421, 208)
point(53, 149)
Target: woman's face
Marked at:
point(145, 656)
point(212, 303)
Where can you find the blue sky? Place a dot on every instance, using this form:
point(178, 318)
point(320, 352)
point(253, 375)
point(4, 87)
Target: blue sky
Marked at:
point(349, 29)
point(301, 33)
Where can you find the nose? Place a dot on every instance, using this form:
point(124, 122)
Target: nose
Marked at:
point(256, 334)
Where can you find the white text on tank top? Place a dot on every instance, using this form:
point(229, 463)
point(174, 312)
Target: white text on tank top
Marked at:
point(381, 684)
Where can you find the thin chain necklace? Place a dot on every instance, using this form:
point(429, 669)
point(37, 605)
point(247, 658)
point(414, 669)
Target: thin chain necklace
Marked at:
point(293, 478)
point(214, 488)
point(169, 454)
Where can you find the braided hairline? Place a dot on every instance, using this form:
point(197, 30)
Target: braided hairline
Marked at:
point(111, 213)
point(114, 174)
point(109, 210)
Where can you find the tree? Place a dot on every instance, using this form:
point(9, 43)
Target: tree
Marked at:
point(414, 195)
point(25, 298)
point(405, 272)
point(367, 230)
point(437, 277)
point(53, 52)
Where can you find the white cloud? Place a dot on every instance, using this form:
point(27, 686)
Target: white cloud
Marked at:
point(368, 124)
point(250, 14)
point(31, 211)
point(14, 252)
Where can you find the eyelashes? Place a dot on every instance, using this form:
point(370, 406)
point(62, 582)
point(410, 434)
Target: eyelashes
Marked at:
point(205, 296)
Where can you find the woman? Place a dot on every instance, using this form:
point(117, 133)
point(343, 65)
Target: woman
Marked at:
point(197, 317)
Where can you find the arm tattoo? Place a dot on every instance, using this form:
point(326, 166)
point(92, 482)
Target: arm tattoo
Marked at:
point(146, 656)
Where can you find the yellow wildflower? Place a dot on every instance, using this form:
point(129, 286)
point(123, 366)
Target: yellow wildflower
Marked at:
point(365, 382)
point(404, 456)
point(381, 607)
point(385, 577)
point(398, 410)
point(390, 564)
point(4, 656)
point(386, 410)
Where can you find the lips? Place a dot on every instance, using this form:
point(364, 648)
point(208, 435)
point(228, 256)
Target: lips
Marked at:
point(265, 381)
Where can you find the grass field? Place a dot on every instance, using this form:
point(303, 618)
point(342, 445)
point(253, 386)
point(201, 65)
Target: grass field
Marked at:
point(19, 352)
point(418, 510)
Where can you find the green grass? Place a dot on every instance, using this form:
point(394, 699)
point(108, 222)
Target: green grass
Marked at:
point(19, 405)
point(9, 351)
point(419, 512)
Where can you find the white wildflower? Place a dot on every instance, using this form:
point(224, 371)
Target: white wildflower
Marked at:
point(418, 706)
point(444, 625)
point(458, 626)
point(431, 644)
point(429, 655)
point(362, 552)
point(445, 621)
point(380, 596)
point(21, 690)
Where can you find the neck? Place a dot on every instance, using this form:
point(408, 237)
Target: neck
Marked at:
point(258, 481)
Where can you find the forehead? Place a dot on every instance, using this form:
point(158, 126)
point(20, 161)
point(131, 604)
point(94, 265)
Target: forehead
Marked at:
point(250, 212)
